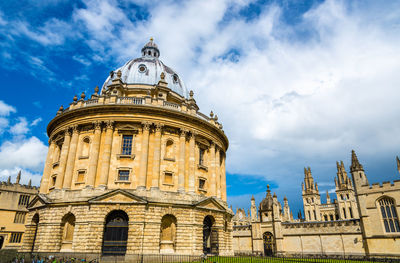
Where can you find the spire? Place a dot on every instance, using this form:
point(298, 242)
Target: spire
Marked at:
point(18, 177)
point(342, 181)
point(9, 180)
point(252, 197)
point(309, 180)
point(328, 198)
point(398, 163)
point(30, 183)
point(355, 165)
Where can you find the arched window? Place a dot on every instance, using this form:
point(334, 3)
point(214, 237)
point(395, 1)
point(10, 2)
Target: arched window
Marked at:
point(85, 147)
point(67, 227)
point(268, 240)
point(389, 215)
point(169, 150)
point(168, 234)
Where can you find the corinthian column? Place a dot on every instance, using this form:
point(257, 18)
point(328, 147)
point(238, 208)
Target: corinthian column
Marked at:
point(213, 184)
point(218, 171)
point(192, 160)
point(223, 179)
point(63, 160)
point(69, 170)
point(94, 155)
point(181, 161)
point(144, 155)
point(105, 166)
point(44, 184)
point(157, 156)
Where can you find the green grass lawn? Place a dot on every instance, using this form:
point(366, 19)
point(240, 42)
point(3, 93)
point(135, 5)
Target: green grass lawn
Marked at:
point(217, 259)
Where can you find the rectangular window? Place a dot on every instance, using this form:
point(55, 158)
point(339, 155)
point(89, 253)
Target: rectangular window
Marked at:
point(81, 177)
point(315, 215)
point(202, 183)
point(15, 238)
point(344, 213)
point(23, 200)
point(168, 178)
point(350, 212)
point(123, 175)
point(201, 156)
point(19, 218)
point(53, 180)
point(127, 145)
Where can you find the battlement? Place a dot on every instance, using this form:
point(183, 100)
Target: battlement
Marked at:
point(321, 227)
point(385, 186)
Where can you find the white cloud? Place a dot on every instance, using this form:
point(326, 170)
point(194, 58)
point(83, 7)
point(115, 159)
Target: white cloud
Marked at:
point(6, 109)
point(27, 153)
point(36, 121)
point(20, 128)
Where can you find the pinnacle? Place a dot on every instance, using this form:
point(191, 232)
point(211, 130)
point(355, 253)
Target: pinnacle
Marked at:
point(355, 164)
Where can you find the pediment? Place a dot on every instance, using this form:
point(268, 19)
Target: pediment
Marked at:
point(127, 127)
point(36, 202)
point(117, 197)
point(210, 204)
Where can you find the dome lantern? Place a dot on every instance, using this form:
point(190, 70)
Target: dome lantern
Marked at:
point(150, 49)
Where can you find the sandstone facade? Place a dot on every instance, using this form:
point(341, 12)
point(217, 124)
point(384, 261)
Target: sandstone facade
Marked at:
point(138, 157)
point(362, 221)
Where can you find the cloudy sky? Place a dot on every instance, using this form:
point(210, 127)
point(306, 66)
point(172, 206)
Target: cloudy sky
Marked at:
point(295, 83)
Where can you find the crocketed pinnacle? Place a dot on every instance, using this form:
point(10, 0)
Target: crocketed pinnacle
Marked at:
point(355, 164)
point(398, 163)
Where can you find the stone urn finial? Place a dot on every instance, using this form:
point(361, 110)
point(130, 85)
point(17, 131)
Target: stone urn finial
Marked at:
point(211, 114)
point(83, 95)
point(96, 89)
point(75, 98)
point(191, 93)
point(162, 76)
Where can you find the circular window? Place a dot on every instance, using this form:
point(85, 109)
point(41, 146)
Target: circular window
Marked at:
point(142, 68)
point(175, 78)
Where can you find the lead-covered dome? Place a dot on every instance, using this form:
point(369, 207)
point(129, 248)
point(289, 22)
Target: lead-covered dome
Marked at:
point(146, 70)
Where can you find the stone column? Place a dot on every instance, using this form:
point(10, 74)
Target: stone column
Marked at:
point(44, 184)
point(218, 171)
point(181, 161)
point(94, 155)
point(69, 170)
point(105, 165)
point(157, 156)
point(192, 162)
point(63, 160)
point(223, 179)
point(213, 181)
point(144, 155)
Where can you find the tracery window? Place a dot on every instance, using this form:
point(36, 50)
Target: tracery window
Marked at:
point(389, 215)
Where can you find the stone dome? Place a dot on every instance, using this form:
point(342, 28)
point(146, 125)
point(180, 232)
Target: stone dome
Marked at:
point(146, 70)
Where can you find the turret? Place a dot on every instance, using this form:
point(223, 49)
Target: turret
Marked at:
point(328, 198)
point(311, 197)
point(398, 163)
point(253, 209)
point(286, 210)
point(357, 171)
point(18, 177)
point(309, 185)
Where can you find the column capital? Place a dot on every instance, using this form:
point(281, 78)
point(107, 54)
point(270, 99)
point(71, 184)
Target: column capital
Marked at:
point(74, 128)
point(193, 134)
point(212, 144)
point(97, 125)
point(68, 132)
point(183, 132)
point(109, 124)
point(146, 125)
point(158, 126)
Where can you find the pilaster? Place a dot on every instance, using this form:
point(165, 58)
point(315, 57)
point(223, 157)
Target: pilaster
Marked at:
point(94, 155)
point(157, 156)
point(71, 158)
point(44, 184)
point(192, 160)
point(63, 159)
point(181, 161)
point(144, 154)
point(105, 166)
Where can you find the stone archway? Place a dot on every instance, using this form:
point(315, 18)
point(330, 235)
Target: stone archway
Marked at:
point(168, 234)
point(210, 236)
point(115, 233)
point(268, 241)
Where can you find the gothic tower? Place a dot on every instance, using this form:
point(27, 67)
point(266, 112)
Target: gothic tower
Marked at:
point(347, 206)
point(311, 197)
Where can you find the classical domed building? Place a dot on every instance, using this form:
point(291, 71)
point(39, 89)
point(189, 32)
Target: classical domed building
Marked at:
point(133, 169)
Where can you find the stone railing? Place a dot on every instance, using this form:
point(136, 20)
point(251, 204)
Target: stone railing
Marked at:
point(172, 105)
point(130, 100)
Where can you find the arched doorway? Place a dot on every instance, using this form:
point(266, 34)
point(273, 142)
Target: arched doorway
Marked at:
point(210, 236)
point(115, 233)
point(268, 240)
point(1, 241)
point(35, 223)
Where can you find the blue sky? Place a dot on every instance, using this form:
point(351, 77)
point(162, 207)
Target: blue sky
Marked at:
point(295, 83)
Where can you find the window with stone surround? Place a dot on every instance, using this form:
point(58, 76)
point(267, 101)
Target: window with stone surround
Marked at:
point(15, 238)
point(202, 184)
point(85, 149)
point(126, 145)
point(201, 156)
point(19, 217)
point(123, 175)
point(23, 200)
point(389, 215)
point(81, 176)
